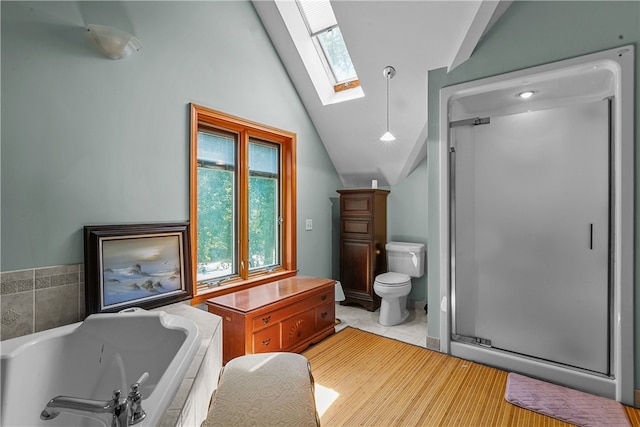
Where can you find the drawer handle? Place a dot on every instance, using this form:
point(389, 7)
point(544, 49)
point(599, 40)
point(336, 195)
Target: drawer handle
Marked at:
point(323, 297)
point(266, 342)
point(324, 315)
point(266, 320)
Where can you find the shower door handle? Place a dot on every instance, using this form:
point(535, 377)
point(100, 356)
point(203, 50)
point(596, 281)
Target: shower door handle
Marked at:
point(591, 236)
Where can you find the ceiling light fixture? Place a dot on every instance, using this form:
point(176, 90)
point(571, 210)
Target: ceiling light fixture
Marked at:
point(114, 43)
point(526, 94)
point(388, 73)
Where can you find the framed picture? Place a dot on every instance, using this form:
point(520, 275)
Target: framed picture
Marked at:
point(136, 265)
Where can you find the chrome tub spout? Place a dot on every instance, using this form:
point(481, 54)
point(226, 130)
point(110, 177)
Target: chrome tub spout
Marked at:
point(117, 406)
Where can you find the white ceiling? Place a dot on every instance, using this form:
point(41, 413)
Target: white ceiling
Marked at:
point(412, 36)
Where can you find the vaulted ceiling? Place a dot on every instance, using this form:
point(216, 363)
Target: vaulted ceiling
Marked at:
point(413, 37)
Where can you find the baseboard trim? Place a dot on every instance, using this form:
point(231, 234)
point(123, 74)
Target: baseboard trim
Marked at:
point(433, 343)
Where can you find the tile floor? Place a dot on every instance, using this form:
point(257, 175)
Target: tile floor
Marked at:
point(412, 331)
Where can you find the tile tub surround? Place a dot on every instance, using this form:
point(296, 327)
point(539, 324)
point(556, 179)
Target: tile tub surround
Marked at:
point(38, 299)
point(191, 403)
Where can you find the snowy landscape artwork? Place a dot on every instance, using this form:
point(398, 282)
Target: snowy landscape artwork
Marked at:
point(139, 268)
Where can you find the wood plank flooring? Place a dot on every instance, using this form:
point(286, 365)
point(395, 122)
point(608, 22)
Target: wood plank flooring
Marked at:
point(384, 382)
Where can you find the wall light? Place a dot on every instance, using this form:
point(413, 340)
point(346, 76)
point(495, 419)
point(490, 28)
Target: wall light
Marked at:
point(113, 43)
point(388, 74)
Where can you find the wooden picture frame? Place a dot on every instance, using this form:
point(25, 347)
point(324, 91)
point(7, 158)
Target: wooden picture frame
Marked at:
point(136, 265)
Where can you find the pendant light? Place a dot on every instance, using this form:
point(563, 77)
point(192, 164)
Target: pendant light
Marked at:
point(388, 74)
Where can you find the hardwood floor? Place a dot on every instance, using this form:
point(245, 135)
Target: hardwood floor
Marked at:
point(376, 381)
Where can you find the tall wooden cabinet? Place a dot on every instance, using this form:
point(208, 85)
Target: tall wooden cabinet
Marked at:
point(363, 235)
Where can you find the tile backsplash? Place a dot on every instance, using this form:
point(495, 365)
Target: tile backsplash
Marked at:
point(37, 299)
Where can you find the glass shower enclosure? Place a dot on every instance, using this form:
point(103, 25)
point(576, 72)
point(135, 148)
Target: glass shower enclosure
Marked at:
point(530, 198)
point(536, 222)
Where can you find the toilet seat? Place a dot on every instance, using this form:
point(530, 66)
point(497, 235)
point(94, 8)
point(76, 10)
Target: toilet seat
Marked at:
point(393, 279)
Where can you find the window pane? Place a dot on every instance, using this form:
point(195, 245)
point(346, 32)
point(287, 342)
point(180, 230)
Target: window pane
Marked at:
point(263, 159)
point(337, 55)
point(216, 206)
point(218, 149)
point(264, 205)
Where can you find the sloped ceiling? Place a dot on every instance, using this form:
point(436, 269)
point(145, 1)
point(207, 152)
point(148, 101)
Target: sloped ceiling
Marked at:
point(412, 36)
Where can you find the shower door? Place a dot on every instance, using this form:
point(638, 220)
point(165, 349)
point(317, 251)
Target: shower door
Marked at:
point(530, 233)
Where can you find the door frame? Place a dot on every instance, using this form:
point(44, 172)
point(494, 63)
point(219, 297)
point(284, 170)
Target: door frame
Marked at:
point(620, 63)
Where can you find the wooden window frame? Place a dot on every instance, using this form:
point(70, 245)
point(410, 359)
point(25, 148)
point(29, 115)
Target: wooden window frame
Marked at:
point(246, 129)
point(352, 84)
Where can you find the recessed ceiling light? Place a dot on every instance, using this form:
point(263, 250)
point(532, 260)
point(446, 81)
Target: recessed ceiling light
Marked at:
point(526, 94)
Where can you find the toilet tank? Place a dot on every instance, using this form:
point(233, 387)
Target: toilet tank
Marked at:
point(404, 257)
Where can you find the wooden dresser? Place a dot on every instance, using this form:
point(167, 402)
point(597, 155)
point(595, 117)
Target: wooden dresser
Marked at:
point(286, 315)
point(363, 235)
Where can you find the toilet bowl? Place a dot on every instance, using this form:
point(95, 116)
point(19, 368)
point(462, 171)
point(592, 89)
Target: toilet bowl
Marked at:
point(405, 260)
point(393, 289)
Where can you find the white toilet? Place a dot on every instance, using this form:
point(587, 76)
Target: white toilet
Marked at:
point(405, 260)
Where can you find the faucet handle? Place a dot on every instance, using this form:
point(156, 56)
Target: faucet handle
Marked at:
point(144, 377)
point(134, 393)
point(136, 413)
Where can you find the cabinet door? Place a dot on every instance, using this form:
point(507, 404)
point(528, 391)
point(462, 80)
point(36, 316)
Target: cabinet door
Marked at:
point(356, 267)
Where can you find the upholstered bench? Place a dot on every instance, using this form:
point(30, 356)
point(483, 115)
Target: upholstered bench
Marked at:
point(265, 389)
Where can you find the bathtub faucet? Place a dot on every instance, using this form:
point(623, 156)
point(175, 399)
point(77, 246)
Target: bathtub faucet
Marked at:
point(118, 406)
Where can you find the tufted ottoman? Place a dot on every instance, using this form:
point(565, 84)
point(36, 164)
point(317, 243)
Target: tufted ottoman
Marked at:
point(266, 389)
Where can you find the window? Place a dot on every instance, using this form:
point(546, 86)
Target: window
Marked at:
point(323, 28)
point(242, 202)
point(264, 205)
point(318, 40)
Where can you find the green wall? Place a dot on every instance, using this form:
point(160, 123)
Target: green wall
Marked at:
point(532, 33)
point(89, 140)
point(407, 219)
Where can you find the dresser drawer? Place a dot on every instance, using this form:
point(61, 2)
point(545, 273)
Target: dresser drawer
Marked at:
point(267, 339)
point(356, 228)
point(270, 318)
point(356, 205)
point(267, 319)
point(298, 328)
point(325, 315)
point(320, 297)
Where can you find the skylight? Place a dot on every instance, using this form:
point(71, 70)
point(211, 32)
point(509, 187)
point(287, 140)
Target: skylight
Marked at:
point(315, 33)
point(323, 29)
point(337, 55)
point(318, 15)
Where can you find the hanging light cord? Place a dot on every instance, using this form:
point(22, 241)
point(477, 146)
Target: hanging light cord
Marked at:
point(388, 78)
point(388, 73)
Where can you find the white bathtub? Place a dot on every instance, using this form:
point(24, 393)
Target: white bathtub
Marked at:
point(90, 360)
